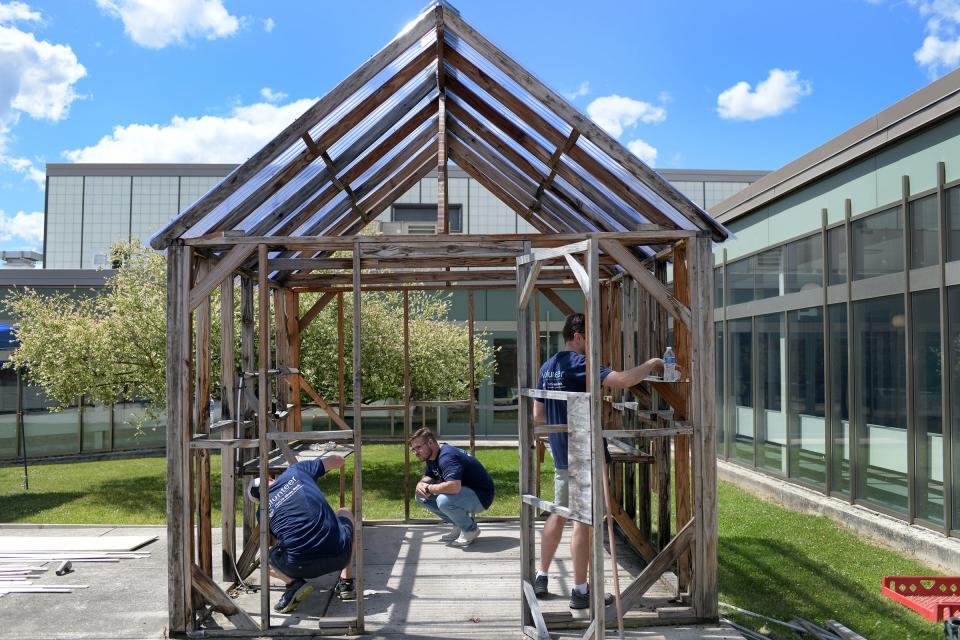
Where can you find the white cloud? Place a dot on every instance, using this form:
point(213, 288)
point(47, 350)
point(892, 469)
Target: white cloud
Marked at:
point(940, 50)
point(780, 91)
point(155, 24)
point(17, 12)
point(614, 113)
point(272, 96)
point(643, 151)
point(26, 167)
point(268, 25)
point(220, 139)
point(24, 226)
point(582, 90)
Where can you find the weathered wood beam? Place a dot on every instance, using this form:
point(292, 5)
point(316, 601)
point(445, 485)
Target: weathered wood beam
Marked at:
point(557, 301)
point(651, 573)
point(552, 166)
point(223, 268)
point(524, 185)
point(481, 171)
point(513, 134)
point(201, 424)
point(315, 310)
point(399, 277)
point(580, 274)
point(395, 123)
point(443, 209)
point(322, 108)
point(647, 280)
point(323, 404)
point(220, 601)
point(263, 407)
point(587, 128)
point(228, 411)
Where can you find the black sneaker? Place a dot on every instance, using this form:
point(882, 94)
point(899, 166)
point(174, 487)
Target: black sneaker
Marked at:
point(297, 591)
point(540, 586)
point(582, 600)
point(345, 589)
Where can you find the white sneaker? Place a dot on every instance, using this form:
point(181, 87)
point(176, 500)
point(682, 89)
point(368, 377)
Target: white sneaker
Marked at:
point(452, 535)
point(466, 538)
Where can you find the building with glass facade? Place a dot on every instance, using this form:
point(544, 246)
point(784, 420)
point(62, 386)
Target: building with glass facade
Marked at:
point(92, 206)
point(838, 315)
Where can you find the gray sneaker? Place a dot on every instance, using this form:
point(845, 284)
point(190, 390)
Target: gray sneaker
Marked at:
point(582, 600)
point(540, 586)
point(297, 592)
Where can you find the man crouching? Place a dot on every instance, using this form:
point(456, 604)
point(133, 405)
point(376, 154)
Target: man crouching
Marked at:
point(312, 540)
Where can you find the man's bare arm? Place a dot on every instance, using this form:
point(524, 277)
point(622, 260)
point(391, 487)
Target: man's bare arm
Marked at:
point(632, 377)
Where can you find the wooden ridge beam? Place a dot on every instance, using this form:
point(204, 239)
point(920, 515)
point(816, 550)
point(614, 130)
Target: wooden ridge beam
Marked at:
point(322, 108)
point(443, 209)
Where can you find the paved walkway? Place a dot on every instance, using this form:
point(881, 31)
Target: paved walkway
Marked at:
point(416, 587)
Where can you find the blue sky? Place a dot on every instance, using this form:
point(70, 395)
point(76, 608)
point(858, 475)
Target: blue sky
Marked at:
point(697, 84)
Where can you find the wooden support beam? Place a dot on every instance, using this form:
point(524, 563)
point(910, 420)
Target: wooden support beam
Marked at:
point(201, 424)
point(646, 280)
point(273, 149)
point(651, 573)
point(529, 285)
point(527, 446)
point(341, 385)
point(557, 301)
point(323, 404)
point(406, 406)
point(597, 476)
point(472, 388)
point(291, 304)
point(636, 537)
point(681, 444)
point(357, 440)
point(315, 310)
point(224, 267)
point(179, 535)
point(263, 399)
point(211, 592)
point(228, 411)
point(583, 279)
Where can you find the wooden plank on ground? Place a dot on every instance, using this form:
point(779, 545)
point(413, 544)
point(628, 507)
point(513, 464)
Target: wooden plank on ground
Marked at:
point(55, 544)
point(221, 602)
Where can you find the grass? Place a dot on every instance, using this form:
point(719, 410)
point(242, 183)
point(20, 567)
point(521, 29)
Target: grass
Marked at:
point(772, 560)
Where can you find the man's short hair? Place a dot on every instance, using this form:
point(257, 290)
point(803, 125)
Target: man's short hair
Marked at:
point(573, 323)
point(424, 433)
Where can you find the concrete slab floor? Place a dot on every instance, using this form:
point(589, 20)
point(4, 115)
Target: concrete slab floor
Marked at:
point(416, 587)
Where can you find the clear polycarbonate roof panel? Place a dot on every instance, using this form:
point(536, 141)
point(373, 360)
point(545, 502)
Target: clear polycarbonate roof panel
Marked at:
point(359, 184)
point(611, 223)
point(507, 83)
point(298, 147)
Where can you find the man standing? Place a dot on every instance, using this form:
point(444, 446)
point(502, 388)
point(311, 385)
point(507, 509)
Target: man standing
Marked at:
point(567, 371)
point(454, 486)
point(312, 540)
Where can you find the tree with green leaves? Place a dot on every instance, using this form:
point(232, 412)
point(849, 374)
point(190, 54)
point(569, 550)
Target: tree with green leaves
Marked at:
point(112, 346)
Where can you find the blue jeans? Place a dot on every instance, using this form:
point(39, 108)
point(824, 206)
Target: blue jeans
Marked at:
point(454, 508)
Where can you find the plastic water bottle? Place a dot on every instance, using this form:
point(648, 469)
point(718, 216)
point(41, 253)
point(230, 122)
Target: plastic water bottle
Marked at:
point(670, 366)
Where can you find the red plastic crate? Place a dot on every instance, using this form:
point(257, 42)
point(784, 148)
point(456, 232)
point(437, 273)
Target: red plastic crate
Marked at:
point(936, 598)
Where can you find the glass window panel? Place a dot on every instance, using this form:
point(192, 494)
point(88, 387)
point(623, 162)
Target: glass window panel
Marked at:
point(718, 376)
point(953, 223)
point(837, 250)
point(51, 433)
point(878, 244)
point(805, 401)
point(718, 288)
point(742, 279)
point(927, 399)
point(133, 430)
point(96, 427)
point(770, 378)
point(804, 265)
point(881, 389)
point(953, 301)
point(924, 249)
point(839, 400)
point(9, 436)
point(741, 390)
point(769, 274)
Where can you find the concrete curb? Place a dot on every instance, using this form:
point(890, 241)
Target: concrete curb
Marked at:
point(917, 542)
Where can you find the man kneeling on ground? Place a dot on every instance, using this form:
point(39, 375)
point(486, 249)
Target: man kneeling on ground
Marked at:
point(454, 486)
point(312, 540)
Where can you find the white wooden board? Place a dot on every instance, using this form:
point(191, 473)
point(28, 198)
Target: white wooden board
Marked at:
point(33, 544)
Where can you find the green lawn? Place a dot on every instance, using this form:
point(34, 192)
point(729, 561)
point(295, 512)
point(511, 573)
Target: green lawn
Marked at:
point(772, 560)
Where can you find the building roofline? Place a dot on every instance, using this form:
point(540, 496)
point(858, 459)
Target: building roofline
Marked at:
point(138, 169)
point(919, 110)
point(712, 175)
point(54, 277)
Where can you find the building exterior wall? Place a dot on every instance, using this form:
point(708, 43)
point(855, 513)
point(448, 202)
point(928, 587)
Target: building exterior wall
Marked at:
point(837, 336)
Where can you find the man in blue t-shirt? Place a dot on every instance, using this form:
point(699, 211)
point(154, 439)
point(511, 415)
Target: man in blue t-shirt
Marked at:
point(454, 486)
point(567, 371)
point(312, 540)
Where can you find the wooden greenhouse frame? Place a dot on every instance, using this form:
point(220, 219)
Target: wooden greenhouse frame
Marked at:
point(288, 222)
